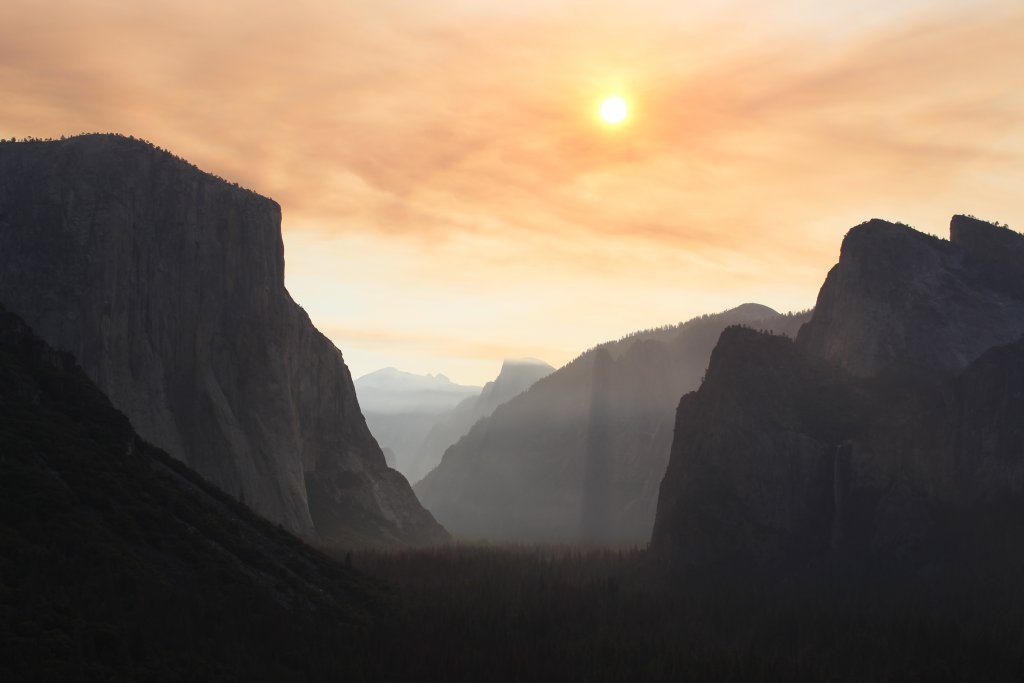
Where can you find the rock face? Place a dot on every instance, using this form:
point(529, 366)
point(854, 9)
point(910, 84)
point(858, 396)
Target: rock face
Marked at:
point(579, 455)
point(515, 377)
point(167, 285)
point(900, 300)
point(750, 475)
point(401, 408)
point(891, 430)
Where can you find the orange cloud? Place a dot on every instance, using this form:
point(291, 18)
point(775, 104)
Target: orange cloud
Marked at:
point(457, 139)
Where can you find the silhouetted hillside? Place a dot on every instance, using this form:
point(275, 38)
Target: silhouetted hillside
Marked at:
point(582, 440)
point(119, 563)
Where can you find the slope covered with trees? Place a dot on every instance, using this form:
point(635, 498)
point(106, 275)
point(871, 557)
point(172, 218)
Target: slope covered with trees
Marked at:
point(119, 563)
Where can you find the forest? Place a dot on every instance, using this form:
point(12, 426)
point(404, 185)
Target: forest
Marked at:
point(516, 613)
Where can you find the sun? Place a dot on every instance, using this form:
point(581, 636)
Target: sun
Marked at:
point(614, 110)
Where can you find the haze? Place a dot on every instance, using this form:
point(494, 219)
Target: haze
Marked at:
point(454, 147)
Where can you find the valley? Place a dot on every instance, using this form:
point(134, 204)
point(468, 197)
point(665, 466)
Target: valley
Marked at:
point(195, 488)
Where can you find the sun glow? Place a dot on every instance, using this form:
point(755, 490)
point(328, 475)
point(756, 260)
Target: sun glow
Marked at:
point(614, 110)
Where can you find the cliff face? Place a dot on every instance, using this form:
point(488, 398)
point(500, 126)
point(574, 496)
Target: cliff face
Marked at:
point(751, 465)
point(579, 456)
point(900, 300)
point(889, 430)
point(167, 285)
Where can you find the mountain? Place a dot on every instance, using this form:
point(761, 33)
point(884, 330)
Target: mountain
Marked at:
point(515, 377)
point(900, 300)
point(888, 433)
point(401, 408)
point(581, 453)
point(390, 392)
point(167, 285)
point(118, 562)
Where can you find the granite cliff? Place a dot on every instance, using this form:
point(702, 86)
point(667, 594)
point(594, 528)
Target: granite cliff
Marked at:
point(167, 286)
point(580, 454)
point(902, 301)
point(889, 431)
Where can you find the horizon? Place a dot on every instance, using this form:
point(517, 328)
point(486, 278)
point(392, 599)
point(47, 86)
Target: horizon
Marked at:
point(456, 150)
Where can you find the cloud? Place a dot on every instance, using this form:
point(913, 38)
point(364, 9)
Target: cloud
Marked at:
point(412, 124)
point(464, 130)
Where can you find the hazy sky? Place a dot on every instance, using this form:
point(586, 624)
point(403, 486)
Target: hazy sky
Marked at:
point(450, 197)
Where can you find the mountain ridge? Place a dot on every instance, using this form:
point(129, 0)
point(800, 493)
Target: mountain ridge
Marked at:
point(392, 391)
point(519, 474)
point(516, 376)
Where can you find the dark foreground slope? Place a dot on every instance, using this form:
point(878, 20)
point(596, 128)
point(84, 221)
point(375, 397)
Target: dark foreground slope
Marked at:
point(119, 563)
point(888, 437)
point(167, 286)
point(579, 456)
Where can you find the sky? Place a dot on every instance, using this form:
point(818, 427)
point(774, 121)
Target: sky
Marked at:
point(451, 197)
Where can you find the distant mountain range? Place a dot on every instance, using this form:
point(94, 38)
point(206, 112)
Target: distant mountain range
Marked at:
point(167, 285)
point(580, 455)
point(889, 434)
point(401, 408)
point(516, 376)
point(392, 392)
point(416, 417)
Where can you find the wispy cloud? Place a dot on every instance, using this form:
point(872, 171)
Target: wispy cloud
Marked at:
point(466, 129)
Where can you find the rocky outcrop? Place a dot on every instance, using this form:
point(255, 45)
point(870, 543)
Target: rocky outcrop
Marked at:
point(751, 471)
point(902, 301)
point(515, 377)
point(167, 285)
point(890, 431)
point(581, 453)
